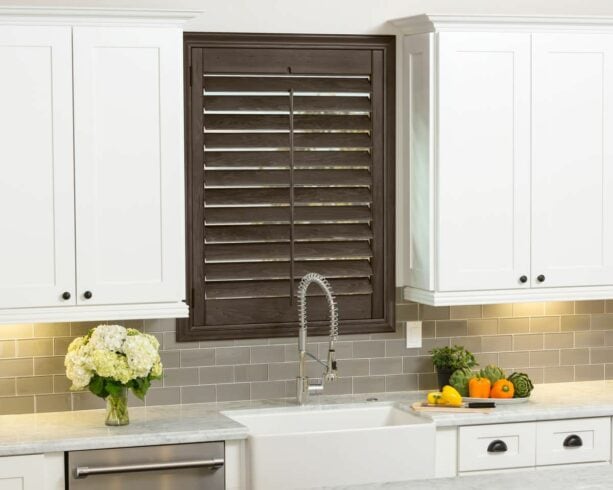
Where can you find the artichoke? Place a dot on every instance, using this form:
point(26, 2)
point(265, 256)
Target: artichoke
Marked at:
point(459, 380)
point(493, 373)
point(522, 383)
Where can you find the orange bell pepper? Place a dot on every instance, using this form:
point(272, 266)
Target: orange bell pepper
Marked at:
point(502, 388)
point(479, 387)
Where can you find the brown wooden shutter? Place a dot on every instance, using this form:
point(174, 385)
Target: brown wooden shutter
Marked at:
point(290, 170)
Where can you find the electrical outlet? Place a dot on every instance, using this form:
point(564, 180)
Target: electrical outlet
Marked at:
point(413, 330)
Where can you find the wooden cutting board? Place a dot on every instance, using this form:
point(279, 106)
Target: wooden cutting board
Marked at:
point(420, 407)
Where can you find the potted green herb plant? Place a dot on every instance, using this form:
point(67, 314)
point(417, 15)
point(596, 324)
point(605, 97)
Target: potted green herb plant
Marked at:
point(446, 360)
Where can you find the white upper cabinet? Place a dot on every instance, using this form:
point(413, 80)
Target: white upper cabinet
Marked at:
point(572, 159)
point(510, 169)
point(37, 263)
point(94, 233)
point(483, 161)
point(129, 175)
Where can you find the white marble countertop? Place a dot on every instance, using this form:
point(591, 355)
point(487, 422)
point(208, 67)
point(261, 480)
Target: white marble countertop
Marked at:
point(548, 402)
point(68, 431)
point(586, 478)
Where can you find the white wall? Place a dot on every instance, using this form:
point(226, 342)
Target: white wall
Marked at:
point(339, 17)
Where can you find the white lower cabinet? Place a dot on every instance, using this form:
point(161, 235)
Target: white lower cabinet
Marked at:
point(500, 446)
point(497, 447)
point(573, 441)
point(32, 472)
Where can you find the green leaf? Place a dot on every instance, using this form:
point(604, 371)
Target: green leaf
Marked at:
point(452, 358)
point(97, 387)
point(141, 388)
point(113, 387)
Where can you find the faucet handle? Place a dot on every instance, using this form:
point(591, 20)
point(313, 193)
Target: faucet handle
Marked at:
point(316, 385)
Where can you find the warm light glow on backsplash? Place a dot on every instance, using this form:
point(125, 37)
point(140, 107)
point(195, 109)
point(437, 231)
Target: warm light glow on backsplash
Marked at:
point(552, 342)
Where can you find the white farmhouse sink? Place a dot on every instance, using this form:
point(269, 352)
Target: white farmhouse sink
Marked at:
point(313, 447)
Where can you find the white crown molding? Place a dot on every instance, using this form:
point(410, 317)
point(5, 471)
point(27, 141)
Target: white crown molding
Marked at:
point(424, 23)
point(87, 15)
point(94, 313)
point(456, 298)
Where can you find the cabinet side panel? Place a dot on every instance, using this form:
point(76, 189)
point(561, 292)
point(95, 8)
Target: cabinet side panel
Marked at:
point(418, 148)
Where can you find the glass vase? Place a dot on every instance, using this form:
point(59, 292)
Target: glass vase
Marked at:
point(117, 409)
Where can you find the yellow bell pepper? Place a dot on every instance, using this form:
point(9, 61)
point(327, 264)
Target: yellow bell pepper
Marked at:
point(448, 397)
point(451, 397)
point(434, 398)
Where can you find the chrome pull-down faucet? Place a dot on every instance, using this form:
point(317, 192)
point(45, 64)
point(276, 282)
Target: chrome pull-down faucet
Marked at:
point(304, 386)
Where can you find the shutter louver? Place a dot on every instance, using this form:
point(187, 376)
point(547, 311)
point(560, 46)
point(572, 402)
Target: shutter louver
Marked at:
point(287, 185)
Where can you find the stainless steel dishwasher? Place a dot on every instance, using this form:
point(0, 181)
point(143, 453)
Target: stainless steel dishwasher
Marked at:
point(197, 466)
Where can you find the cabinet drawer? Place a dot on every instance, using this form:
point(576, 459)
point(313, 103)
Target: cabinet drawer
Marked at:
point(573, 441)
point(490, 447)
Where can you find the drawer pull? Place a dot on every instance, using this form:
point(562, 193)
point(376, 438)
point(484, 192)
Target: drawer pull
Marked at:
point(497, 446)
point(573, 441)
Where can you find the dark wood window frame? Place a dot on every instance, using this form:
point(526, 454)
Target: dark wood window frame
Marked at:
point(383, 185)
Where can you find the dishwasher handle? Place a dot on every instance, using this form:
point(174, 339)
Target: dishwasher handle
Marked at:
point(85, 471)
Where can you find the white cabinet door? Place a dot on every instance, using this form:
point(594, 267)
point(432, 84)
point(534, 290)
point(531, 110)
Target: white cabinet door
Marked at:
point(129, 165)
point(572, 160)
point(22, 473)
point(483, 172)
point(36, 167)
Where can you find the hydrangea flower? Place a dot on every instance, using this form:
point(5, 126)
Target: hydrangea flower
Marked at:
point(112, 356)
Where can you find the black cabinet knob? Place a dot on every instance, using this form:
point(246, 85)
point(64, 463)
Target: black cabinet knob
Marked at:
point(87, 294)
point(540, 278)
point(66, 295)
point(497, 446)
point(523, 279)
point(573, 441)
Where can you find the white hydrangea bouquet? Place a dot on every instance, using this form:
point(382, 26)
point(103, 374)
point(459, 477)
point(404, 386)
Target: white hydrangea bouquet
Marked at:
point(111, 359)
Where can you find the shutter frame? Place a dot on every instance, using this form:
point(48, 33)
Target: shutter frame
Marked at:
point(383, 244)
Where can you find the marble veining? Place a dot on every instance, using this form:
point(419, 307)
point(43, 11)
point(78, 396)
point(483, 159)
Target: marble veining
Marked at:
point(548, 402)
point(70, 431)
point(586, 478)
point(175, 424)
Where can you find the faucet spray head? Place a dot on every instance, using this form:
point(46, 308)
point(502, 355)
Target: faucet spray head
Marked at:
point(331, 371)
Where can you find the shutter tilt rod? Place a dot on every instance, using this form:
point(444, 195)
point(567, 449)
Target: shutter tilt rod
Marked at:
point(291, 196)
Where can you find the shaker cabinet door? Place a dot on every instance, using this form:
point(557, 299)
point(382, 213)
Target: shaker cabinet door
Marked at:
point(37, 263)
point(129, 165)
point(572, 160)
point(23, 473)
point(483, 164)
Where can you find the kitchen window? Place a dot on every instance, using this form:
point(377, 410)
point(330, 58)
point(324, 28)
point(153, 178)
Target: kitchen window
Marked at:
point(290, 169)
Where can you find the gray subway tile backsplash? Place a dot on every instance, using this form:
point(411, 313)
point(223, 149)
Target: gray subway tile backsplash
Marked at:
point(233, 392)
point(232, 355)
point(368, 384)
point(217, 374)
point(181, 377)
point(198, 394)
point(16, 367)
point(53, 402)
point(197, 357)
point(33, 385)
point(251, 372)
point(7, 349)
point(551, 342)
